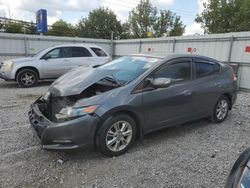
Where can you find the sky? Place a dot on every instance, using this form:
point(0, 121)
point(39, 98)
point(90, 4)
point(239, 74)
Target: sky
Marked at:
point(72, 10)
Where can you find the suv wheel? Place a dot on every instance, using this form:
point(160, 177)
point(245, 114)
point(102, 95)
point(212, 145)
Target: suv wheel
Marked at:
point(221, 109)
point(116, 135)
point(27, 78)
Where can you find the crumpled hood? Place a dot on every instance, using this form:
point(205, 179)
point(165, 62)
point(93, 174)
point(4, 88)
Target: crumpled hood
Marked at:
point(76, 80)
point(20, 60)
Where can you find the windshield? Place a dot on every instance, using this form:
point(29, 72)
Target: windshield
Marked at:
point(130, 67)
point(39, 52)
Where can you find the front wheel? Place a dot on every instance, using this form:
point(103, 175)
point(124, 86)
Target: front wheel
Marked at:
point(221, 109)
point(27, 78)
point(116, 135)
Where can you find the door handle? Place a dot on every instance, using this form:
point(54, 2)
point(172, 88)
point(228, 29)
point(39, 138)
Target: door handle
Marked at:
point(187, 93)
point(218, 85)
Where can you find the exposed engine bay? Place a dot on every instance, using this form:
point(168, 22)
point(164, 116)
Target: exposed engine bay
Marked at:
point(53, 106)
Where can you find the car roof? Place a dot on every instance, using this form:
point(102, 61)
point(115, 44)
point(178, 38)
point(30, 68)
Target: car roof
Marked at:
point(77, 45)
point(169, 56)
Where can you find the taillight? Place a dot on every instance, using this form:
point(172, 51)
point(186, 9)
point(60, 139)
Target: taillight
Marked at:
point(234, 77)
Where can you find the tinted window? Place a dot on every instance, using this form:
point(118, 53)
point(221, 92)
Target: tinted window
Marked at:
point(205, 69)
point(99, 52)
point(80, 52)
point(177, 71)
point(65, 52)
point(59, 53)
point(216, 68)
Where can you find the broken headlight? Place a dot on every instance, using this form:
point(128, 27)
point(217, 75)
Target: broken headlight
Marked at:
point(74, 112)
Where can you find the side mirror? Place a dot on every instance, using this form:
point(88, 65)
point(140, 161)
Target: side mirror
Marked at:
point(161, 82)
point(46, 57)
point(240, 173)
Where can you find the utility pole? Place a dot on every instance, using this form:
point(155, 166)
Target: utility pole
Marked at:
point(25, 43)
point(112, 44)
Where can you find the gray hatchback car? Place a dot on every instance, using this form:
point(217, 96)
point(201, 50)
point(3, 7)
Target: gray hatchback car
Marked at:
point(109, 106)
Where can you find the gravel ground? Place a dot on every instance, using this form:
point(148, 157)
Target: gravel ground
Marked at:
point(197, 154)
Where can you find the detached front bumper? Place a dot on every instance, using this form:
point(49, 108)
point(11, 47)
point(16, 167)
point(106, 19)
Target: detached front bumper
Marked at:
point(68, 135)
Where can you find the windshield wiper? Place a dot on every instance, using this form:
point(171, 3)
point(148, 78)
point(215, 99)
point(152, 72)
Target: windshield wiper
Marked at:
point(113, 79)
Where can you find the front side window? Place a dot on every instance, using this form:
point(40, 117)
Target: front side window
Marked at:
point(176, 72)
point(64, 52)
point(80, 52)
point(203, 69)
point(53, 54)
point(99, 52)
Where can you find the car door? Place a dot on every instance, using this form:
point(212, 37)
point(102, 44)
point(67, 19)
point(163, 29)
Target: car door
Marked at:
point(207, 86)
point(167, 106)
point(81, 56)
point(56, 62)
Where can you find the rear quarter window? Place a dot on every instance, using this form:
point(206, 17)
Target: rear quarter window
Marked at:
point(80, 52)
point(203, 69)
point(99, 52)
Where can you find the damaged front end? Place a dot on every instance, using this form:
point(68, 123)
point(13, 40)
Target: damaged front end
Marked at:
point(59, 104)
point(65, 118)
point(64, 108)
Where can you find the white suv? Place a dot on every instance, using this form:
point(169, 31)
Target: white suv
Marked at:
point(52, 63)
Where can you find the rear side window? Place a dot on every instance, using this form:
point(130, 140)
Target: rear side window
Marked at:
point(99, 52)
point(203, 69)
point(80, 52)
point(177, 71)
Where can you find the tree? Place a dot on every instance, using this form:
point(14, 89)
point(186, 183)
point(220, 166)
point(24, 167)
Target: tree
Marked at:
point(13, 27)
point(62, 28)
point(100, 23)
point(125, 34)
point(1, 25)
point(142, 18)
point(241, 20)
point(222, 16)
point(146, 18)
point(30, 28)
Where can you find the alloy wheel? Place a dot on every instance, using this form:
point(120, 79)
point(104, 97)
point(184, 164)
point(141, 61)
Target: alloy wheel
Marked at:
point(28, 79)
point(222, 109)
point(119, 136)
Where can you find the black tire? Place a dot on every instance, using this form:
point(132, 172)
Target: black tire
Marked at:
point(107, 126)
point(236, 171)
point(215, 118)
point(32, 78)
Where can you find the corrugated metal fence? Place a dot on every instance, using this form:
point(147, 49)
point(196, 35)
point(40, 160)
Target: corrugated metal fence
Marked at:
point(230, 47)
point(20, 45)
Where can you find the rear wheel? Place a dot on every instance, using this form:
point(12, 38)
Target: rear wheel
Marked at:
point(116, 135)
point(221, 109)
point(27, 78)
